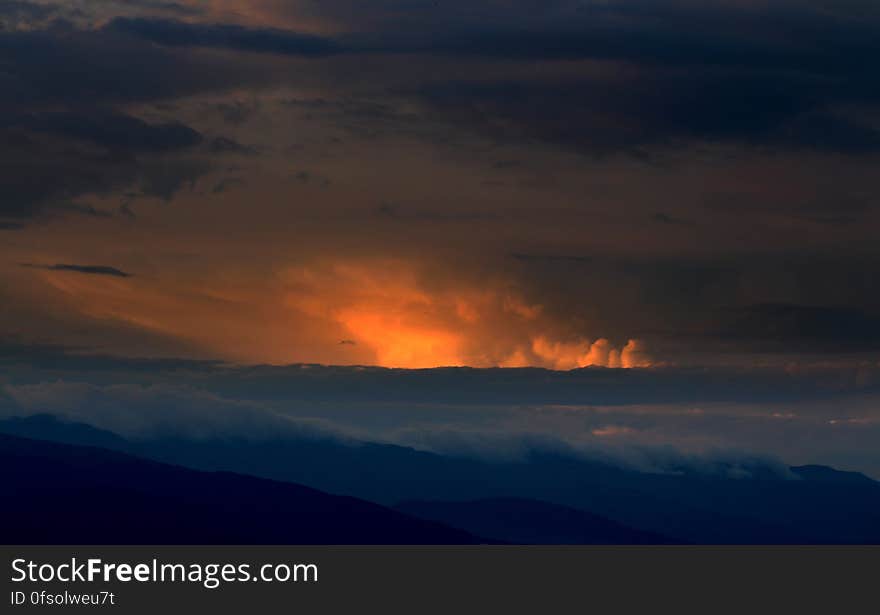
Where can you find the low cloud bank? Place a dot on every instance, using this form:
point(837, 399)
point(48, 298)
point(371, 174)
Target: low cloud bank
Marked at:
point(157, 411)
point(731, 440)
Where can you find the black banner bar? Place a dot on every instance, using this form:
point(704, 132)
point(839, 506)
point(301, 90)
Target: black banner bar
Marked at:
point(437, 579)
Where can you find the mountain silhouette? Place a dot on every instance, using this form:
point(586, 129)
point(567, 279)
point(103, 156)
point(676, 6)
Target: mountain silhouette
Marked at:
point(64, 494)
point(522, 521)
point(808, 505)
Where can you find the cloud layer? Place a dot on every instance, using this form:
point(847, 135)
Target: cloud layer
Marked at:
point(559, 185)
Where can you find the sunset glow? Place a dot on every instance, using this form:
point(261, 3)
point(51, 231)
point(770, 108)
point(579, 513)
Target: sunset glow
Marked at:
point(563, 272)
point(413, 185)
point(383, 314)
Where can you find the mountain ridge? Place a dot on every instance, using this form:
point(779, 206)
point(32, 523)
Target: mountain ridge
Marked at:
point(809, 507)
point(67, 494)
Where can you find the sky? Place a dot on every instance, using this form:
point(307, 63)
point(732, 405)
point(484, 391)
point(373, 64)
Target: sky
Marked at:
point(630, 184)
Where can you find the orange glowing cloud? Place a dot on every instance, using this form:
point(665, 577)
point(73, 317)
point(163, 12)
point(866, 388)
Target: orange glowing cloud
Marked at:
point(583, 353)
point(399, 344)
point(386, 312)
point(407, 322)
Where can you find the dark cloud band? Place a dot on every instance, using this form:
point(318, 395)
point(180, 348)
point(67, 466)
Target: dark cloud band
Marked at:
point(86, 269)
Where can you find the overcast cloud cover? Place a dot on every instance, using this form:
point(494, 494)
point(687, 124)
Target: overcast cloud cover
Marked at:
point(682, 190)
point(658, 419)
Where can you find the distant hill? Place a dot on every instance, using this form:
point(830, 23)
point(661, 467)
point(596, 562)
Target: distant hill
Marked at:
point(48, 427)
point(824, 474)
point(63, 494)
point(811, 505)
point(521, 521)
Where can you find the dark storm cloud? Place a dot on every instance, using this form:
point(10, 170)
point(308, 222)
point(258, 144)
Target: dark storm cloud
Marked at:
point(51, 159)
point(805, 36)
point(62, 135)
point(81, 68)
point(114, 131)
point(806, 326)
point(607, 114)
point(85, 269)
point(792, 37)
point(37, 178)
point(77, 77)
point(784, 38)
point(775, 77)
point(228, 36)
point(769, 76)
